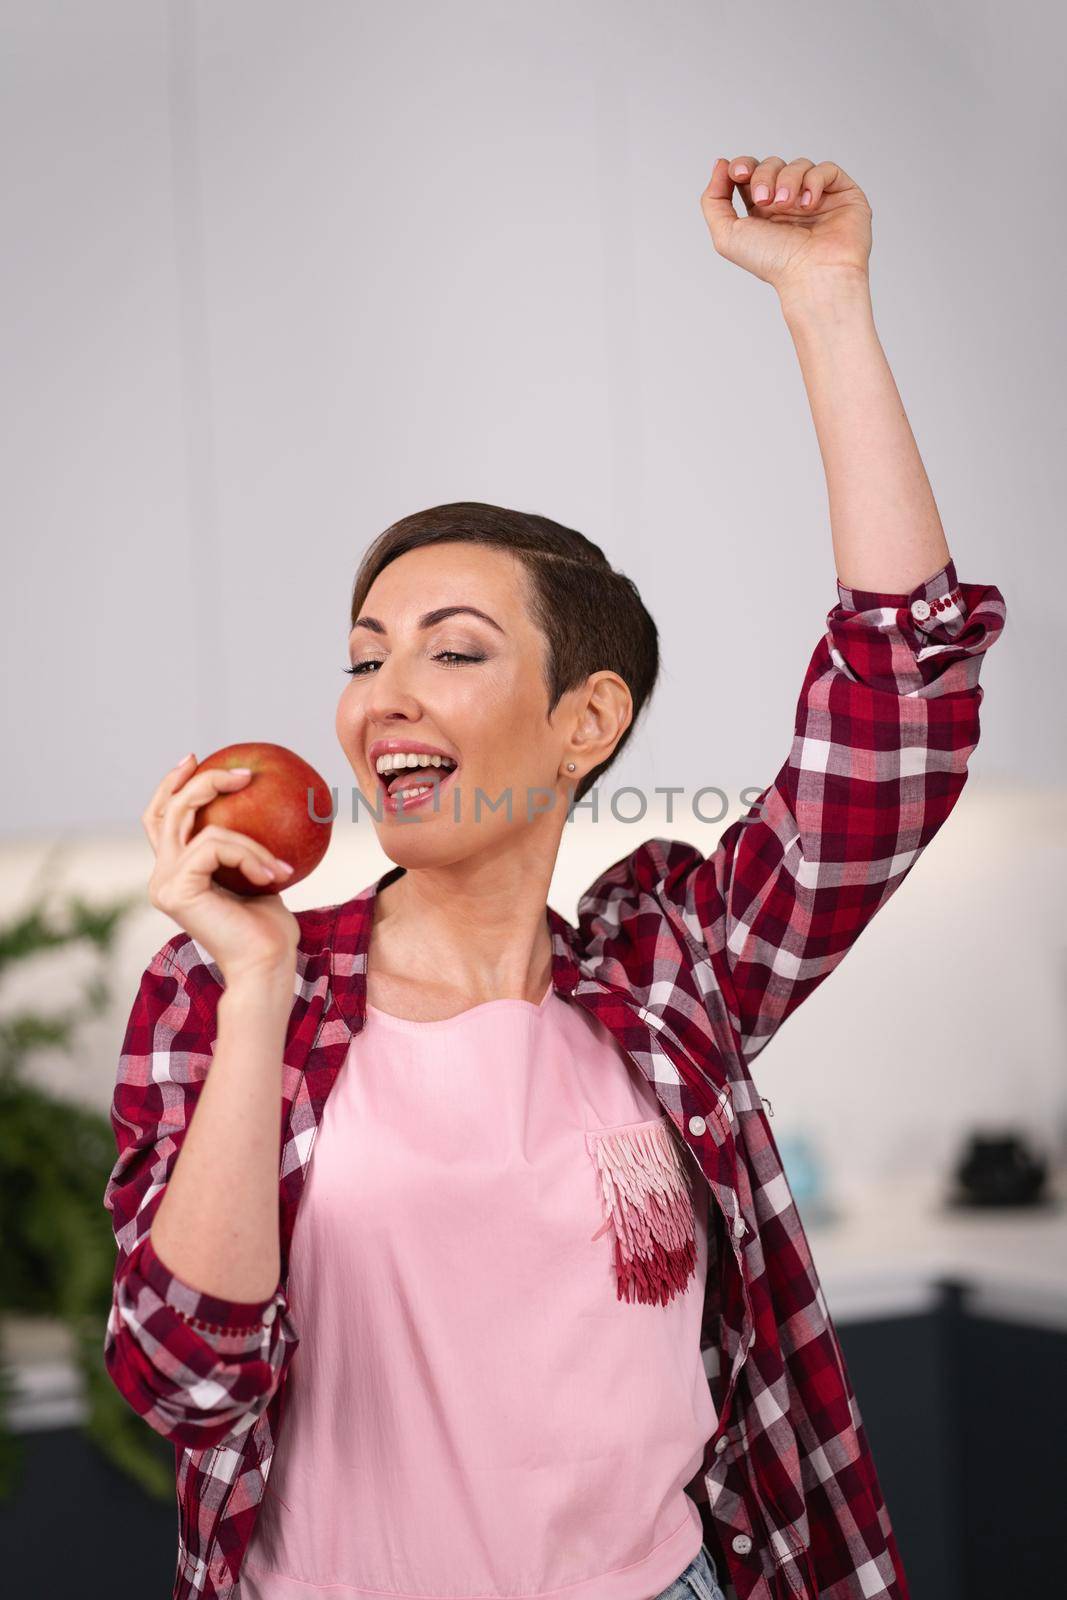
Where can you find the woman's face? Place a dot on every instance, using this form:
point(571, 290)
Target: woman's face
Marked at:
point(432, 673)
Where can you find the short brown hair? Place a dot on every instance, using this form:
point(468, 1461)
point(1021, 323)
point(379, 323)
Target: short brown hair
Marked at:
point(592, 616)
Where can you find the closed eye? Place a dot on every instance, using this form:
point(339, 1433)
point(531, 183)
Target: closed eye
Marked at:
point(360, 668)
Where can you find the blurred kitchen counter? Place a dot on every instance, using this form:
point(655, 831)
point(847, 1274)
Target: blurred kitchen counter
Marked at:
point(891, 1245)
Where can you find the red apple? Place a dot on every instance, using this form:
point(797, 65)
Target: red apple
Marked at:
point(272, 807)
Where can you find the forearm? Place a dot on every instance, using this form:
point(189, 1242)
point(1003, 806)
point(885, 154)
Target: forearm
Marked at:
point(887, 533)
point(217, 1224)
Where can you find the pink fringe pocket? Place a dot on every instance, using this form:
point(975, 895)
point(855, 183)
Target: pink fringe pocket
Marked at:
point(647, 1201)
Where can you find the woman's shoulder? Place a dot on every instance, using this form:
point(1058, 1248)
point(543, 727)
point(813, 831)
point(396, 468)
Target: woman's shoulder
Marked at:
point(658, 867)
point(630, 907)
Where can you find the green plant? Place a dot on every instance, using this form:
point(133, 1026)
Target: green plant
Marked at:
point(57, 1249)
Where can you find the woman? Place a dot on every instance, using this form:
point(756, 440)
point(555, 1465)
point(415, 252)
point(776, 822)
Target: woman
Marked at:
point(555, 1324)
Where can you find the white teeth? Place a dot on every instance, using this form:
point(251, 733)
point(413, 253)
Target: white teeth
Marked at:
point(402, 758)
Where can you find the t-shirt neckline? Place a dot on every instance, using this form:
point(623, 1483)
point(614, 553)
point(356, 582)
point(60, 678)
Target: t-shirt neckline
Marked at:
point(414, 1024)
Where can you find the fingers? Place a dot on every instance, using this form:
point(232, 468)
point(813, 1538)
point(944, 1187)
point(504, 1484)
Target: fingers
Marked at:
point(178, 881)
point(717, 203)
point(826, 178)
point(741, 170)
point(179, 812)
point(215, 847)
point(763, 179)
point(790, 178)
point(774, 185)
point(152, 815)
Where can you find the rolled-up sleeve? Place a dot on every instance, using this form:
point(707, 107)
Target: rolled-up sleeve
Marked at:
point(929, 642)
point(886, 722)
point(196, 1367)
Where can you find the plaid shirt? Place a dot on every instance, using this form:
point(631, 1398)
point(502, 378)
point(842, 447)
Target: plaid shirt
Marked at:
point(693, 964)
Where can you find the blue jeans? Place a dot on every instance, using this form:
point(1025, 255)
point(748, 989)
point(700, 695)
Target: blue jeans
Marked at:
point(699, 1581)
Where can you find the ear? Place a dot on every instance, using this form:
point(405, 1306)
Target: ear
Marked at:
point(605, 712)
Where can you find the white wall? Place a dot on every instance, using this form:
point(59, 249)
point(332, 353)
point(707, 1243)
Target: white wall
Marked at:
point(276, 275)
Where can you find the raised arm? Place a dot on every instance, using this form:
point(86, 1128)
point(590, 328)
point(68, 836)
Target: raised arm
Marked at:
point(887, 534)
point(888, 711)
point(888, 714)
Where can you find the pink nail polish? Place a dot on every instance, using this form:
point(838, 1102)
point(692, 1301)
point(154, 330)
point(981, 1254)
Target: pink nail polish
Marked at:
point(782, 194)
point(805, 198)
point(761, 193)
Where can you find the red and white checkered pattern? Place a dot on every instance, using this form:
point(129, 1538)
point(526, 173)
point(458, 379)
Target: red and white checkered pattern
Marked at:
point(693, 964)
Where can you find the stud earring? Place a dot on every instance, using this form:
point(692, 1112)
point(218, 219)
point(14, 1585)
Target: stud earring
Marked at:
point(570, 766)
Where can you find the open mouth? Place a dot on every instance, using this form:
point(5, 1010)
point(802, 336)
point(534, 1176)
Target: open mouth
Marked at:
point(407, 781)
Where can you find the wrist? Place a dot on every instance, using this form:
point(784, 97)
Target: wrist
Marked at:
point(264, 988)
point(835, 294)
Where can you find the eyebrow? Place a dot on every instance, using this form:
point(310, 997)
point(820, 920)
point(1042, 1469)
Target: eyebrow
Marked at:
point(430, 619)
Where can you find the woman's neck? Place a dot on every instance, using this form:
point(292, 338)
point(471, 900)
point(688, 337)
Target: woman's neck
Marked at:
point(462, 934)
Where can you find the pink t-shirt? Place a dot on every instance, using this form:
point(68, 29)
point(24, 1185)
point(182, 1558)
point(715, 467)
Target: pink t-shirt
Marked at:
point(473, 1410)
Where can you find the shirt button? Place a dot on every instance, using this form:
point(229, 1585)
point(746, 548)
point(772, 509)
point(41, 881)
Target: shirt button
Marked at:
point(741, 1544)
point(697, 1125)
point(270, 1314)
point(721, 1444)
point(739, 1226)
point(920, 610)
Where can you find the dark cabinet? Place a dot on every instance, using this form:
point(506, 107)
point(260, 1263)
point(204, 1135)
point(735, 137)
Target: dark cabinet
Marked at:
point(966, 1417)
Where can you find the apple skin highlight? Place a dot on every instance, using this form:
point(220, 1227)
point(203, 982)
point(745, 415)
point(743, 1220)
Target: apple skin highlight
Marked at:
point(272, 808)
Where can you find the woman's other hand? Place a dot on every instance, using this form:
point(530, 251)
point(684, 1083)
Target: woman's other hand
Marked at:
point(784, 239)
